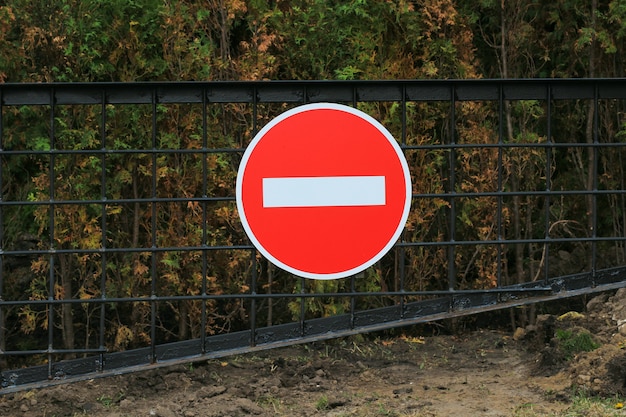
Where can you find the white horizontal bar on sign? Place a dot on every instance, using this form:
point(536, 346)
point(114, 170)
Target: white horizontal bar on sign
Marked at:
point(324, 191)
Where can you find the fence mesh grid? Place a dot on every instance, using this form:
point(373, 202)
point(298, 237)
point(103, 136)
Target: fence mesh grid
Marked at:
point(121, 244)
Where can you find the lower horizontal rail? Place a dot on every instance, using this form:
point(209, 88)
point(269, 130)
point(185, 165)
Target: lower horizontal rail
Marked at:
point(410, 313)
point(258, 296)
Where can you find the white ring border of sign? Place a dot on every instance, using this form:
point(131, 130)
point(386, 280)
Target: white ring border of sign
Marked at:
point(407, 179)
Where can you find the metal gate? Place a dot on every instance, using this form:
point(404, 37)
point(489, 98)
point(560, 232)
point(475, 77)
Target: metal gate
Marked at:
point(121, 247)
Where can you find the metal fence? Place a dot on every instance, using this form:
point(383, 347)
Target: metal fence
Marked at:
point(121, 248)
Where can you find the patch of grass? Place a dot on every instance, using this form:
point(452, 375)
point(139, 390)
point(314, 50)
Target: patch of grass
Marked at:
point(586, 406)
point(105, 400)
point(269, 401)
point(572, 342)
point(384, 411)
point(524, 410)
point(322, 403)
point(582, 405)
point(108, 401)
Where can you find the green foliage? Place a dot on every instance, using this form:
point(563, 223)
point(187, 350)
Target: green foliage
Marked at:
point(322, 403)
point(330, 306)
point(351, 40)
point(582, 404)
point(152, 40)
point(555, 39)
point(572, 342)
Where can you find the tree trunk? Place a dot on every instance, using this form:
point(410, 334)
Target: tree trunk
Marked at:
point(517, 221)
point(3, 345)
point(67, 317)
point(183, 327)
point(515, 169)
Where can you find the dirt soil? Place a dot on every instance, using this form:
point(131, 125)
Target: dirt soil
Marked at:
point(476, 373)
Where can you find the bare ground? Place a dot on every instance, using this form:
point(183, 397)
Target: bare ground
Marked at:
point(477, 373)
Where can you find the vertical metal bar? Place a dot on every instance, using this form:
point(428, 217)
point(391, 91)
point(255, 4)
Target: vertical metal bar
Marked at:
point(352, 300)
point(203, 244)
point(253, 276)
point(452, 192)
point(103, 227)
point(548, 183)
point(594, 195)
point(500, 190)
point(153, 267)
point(2, 324)
point(401, 249)
point(302, 305)
point(51, 231)
point(253, 303)
point(352, 278)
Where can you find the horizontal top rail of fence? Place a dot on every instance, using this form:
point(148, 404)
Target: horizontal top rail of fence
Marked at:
point(311, 91)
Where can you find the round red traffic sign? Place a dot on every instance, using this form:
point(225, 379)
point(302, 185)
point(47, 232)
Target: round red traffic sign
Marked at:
point(323, 191)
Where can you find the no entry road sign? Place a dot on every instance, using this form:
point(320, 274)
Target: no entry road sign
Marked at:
point(323, 191)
